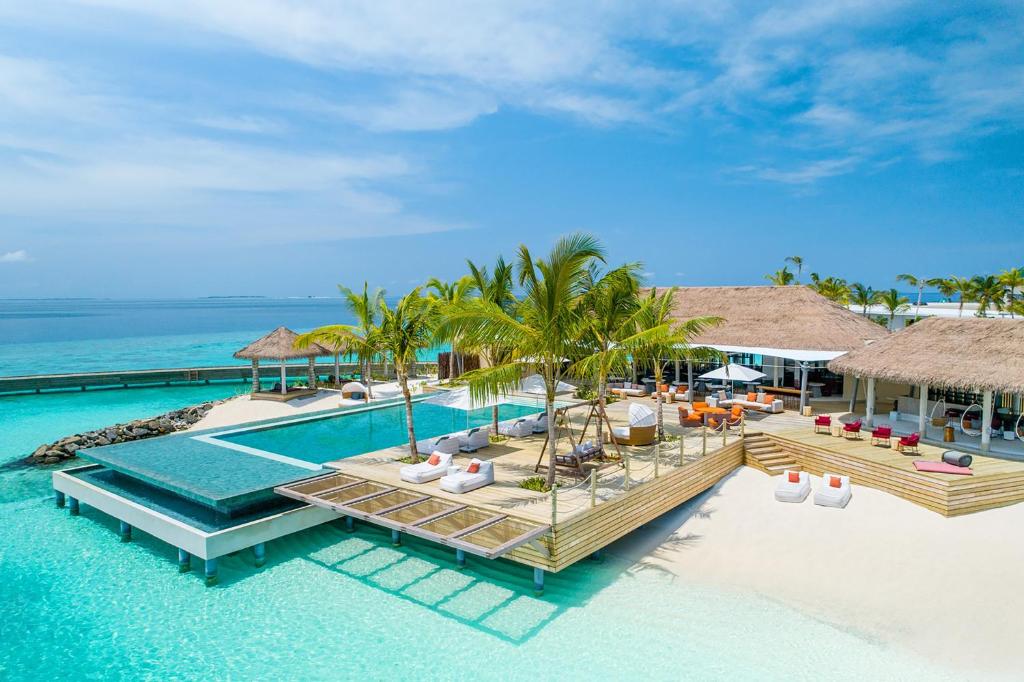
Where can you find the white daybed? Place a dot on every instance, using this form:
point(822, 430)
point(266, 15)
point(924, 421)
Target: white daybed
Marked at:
point(427, 470)
point(474, 439)
point(831, 496)
point(790, 491)
point(459, 480)
point(445, 444)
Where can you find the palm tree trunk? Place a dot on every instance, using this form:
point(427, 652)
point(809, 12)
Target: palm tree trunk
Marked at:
point(451, 364)
point(602, 388)
point(367, 379)
point(660, 401)
point(549, 406)
point(403, 380)
point(494, 418)
point(917, 311)
point(337, 370)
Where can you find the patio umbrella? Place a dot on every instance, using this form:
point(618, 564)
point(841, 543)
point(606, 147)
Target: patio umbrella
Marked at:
point(460, 399)
point(732, 372)
point(535, 384)
point(641, 415)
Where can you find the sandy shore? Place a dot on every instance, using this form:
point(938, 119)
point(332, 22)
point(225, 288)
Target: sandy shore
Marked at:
point(947, 589)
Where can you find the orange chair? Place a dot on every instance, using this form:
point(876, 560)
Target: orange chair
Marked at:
point(690, 418)
point(735, 416)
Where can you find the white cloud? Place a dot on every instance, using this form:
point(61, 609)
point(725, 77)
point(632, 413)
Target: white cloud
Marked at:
point(19, 256)
point(805, 174)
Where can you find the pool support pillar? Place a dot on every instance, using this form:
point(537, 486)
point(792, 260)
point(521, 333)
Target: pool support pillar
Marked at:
point(350, 524)
point(210, 571)
point(184, 561)
point(460, 558)
point(73, 506)
point(61, 499)
point(259, 550)
point(396, 537)
point(126, 531)
point(538, 581)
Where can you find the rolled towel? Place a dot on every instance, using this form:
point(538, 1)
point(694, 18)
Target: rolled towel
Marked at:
point(956, 458)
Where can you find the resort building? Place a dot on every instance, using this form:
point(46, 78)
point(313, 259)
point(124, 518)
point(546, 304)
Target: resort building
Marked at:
point(907, 315)
point(788, 332)
point(951, 380)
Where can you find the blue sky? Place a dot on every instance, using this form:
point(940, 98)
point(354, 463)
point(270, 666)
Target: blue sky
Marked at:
point(177, 148)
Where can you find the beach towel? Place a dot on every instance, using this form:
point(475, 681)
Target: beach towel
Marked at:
point(941, 468)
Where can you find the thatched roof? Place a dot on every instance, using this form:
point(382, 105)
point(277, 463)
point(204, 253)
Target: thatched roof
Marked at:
point(970, 354)
point(280, 345)
point(791, 317)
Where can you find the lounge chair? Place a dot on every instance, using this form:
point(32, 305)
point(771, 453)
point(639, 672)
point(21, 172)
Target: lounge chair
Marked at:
point(823, 422)
point(735, 417)
point(430, 470)
point(634, 435)
point(516, 428)
point(476, 475)
point(540, 422)
point(444, 444)
point(908, 444)
point(852, 430)
point(793, 486)
point(474, 440)
point(690, 417)
point(834, 492)
point(882, 436)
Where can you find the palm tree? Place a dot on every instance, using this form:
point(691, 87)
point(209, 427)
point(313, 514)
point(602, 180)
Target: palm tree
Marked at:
point(659, 338)
point(894, 302)
point(863, 296)
point(357, 338)
point(833, 288)
point(494, 287)
point(988, 291)
point(1012, 280)
point(963, 288)
point(449, 294)
point(405, 330)
point(781, 278)
point(918, 283)
point(541, 331)
point(798, 263)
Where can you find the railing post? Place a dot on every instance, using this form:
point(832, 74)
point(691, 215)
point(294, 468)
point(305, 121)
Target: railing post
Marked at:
point(657, 456)
point(625, 458)
point(554, 504)
point(725, 431)
point(743, 424)
point(704, 443)
point(593, 487)
point(682, 448)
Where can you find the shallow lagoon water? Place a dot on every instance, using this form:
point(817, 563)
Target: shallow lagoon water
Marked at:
point(329, 605)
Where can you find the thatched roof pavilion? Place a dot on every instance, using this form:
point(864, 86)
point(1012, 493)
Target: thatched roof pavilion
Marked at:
point(970, 354)
point(280, 345)
point(783, 322)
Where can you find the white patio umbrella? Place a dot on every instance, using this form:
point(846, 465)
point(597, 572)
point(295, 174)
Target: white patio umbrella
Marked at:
point(732, 372)
point(641, 415)
point(460, 399)
point(534, 384)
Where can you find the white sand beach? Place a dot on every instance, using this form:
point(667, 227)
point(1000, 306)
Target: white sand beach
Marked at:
point(883, 567)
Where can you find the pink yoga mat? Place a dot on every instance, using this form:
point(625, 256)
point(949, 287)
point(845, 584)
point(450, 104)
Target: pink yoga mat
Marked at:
point(941, 468)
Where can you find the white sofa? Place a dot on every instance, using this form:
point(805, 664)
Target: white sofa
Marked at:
point(788, 491)
point(474, 439)
point(445, 444)
point(774, 407)
point(829, 496)
point(459, 480)
point(516, 428)
point(425, 471)
point(627, 390)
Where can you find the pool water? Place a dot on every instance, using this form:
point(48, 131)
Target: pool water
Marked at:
point(343, 435)
point(79, 604)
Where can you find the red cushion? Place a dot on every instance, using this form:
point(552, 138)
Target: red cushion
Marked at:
point(794, 476)
point(473, 468)
point(434, 460)
point(835, 481)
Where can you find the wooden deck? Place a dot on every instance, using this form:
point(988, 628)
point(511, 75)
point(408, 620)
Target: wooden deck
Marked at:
point(995, 483)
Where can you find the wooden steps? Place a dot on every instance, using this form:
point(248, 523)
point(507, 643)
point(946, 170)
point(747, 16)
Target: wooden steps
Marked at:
point(761, 452)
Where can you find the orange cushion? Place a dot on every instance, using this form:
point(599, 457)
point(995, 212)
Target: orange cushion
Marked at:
point(473, 468)
point(737, 410)
point(434, 460)
point(663, 388)
point(700, 406)
point(751, 397)
point(794, 476)
point(835, 481)
point(768, 398)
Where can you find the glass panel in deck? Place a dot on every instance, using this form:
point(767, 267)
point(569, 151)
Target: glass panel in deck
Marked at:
point(319, 485)
point(380, 502)
point(420, 510)
point(498, 534)
point(453, 523)
point(358, 490)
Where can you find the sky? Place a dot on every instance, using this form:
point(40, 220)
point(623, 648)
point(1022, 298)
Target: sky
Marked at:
point(265, 147)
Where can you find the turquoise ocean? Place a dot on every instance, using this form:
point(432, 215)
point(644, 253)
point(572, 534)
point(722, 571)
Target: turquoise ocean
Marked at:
point(78, 604)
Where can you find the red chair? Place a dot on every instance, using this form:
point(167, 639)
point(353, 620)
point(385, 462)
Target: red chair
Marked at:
point(852, 430)
point(909, 443)
point(882, 435)
point(822, 422)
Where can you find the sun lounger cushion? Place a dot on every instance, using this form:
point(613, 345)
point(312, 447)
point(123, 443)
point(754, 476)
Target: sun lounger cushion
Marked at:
point(458, 481)
point(476, 439)
point(829, 496)
point(431, 470)
point(941, 468)
point(439, 444)
point(434, 459)
point(957, 459)
point(835, 482)
point(788, 491)
point(794, 476)
point(516, 428)
point(473, 467)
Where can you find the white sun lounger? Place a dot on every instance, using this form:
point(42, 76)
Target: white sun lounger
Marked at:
point(540, 422)
point(474, 440)
point(516, 428)
point(827, 496)
point(459, 480)
point(425, 471)
point(444, 444)
point(786, 491)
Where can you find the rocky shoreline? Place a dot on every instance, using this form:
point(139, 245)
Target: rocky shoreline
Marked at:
point(68, 447)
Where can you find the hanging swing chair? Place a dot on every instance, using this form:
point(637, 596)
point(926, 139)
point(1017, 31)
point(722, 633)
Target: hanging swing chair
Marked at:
point(967, 430)
point(1018, 428)
point(939, 421)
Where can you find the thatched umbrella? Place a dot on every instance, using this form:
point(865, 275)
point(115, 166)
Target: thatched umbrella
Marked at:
point(280, 345)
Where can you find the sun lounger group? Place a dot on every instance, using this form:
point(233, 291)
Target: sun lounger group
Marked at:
point(795, 486)
point(524, 426)
point(454, 479)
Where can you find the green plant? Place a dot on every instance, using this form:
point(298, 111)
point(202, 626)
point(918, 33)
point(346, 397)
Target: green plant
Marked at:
point(535, 483)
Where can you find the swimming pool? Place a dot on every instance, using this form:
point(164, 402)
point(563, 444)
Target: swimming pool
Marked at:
point(325, 438)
